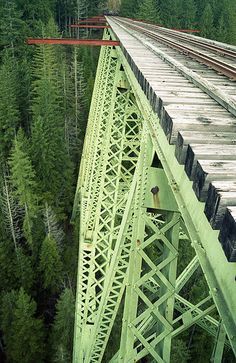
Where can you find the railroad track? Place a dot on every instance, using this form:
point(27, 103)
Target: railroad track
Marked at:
point(213, 73)
point(196, 106)
point(166, 36)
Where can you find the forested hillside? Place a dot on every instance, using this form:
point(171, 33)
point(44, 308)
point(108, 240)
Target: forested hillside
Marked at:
point(44, 100)
point(215, 19)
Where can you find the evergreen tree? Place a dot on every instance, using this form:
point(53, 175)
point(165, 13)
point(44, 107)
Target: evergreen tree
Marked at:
point(13, 29)
point(9, 112)
point(24, 271)
point(187, 13)
point(148, 11)
point(23, 333)
point(52, 226)
point(7, 307)
point(179, 352)
point(11, 212)
point(63, 326)
point(50, 264)
point(221, 30)
point(36, 10)
point(128, 8)
point(23, 181)
point(51, 161)
point(225, 19)
point(169, 13)
point(9, 266)
point(206, 22)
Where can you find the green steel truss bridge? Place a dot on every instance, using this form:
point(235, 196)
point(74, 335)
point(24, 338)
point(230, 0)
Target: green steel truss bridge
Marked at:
point(156, 196)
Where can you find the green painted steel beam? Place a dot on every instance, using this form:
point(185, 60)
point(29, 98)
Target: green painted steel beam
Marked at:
point(220, 274)
point(131, 213)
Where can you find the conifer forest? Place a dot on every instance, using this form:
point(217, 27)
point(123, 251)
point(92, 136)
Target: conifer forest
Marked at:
point(45, 95)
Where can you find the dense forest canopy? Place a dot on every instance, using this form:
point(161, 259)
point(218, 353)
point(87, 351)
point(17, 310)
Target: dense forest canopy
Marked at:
point(215, 19)
point(45, 94)
point(44, 103)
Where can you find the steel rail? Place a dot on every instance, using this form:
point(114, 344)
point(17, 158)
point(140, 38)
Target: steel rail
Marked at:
point(175, 33)
point(222, 67)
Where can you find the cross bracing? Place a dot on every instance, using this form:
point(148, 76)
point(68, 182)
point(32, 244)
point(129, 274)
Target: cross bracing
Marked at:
point(135, 204)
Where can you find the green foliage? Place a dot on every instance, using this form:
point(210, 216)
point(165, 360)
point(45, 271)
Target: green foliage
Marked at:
point(179, 352)
point(36, 10)
point(128, 8)
point(24, 270)
point(63, 326)
point(148, 11)
point(50, 264)
point(22, 173)
point(8, 305)
point(44, 102)
point(169, 12)
point(187, 13)
point(23, 181)
point(216, 20)
point(51, 161)
point(8, 263)
point(23, 333)
point(13, 29)
point(9, 111)
point(207, 22)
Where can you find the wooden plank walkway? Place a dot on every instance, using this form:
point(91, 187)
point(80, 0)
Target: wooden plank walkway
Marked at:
point(202, 130)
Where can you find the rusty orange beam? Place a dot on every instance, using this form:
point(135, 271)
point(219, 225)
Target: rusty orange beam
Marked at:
point(96, 17)
point(92, 21)
point(65, 41)
point(90, 26)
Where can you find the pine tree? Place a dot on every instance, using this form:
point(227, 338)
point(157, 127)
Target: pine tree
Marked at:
point(50, 264)
point(9, 111)
point(226, 21)
point(128, 8)
point(63, 326)
point(24, 270)
point(221, 30)
point(52, 226)
point(7, 307)
point(9, 266)
point(11, 211)
point(23, 181)
point(148, 11)
point(36, 10)
point(169, 13)
point(206, 22)
point(13, 29)
point(179, 351)
point(187, 14)
point(24, 336)
point(51, 161)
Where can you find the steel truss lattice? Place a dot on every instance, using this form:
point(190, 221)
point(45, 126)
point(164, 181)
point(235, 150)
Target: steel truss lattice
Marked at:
point(133, 214)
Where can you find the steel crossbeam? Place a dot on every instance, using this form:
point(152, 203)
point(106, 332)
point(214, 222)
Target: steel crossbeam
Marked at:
point(115, 152)
point(131, 217)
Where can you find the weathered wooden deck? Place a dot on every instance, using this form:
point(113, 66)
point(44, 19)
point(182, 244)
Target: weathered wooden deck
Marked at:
point(201, 127)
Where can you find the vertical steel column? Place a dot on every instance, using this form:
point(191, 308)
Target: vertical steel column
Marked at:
point(104, 86)
point(117, 272)
point(153, 259)
point(218, 351)
point(91, 142)
point(108, 180)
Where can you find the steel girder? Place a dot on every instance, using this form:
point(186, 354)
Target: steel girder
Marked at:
point(130, 232)
point(107, 170)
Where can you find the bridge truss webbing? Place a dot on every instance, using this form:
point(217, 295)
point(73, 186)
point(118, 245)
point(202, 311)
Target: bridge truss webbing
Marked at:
point(136, 208)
